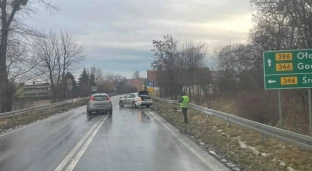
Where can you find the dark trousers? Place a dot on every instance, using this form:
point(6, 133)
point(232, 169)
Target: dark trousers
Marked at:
point(184, 112)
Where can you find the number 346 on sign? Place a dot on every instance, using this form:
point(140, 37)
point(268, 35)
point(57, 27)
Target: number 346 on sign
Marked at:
point(289, 80)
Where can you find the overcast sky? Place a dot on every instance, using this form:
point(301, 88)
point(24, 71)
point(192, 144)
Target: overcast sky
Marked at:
point(118, 34)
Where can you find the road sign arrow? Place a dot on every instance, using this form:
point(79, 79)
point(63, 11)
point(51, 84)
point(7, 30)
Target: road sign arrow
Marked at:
point(272, 81)
point(269, 62)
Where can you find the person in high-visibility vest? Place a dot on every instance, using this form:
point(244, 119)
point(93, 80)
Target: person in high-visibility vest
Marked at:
point(184, 104)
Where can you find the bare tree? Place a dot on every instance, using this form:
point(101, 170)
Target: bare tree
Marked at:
point(21, 63)
point(20, 68)
point(57, 54)
point(97, 74)
point(136, 75)
point(282, 24)
point(176, 63)
point(165, 52)
point(191, 59)
point(10, 22)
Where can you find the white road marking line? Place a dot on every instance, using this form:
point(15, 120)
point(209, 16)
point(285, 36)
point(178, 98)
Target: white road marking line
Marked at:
point(74, 150)
point(85, 146)
point(44, 120)
point(186, 145)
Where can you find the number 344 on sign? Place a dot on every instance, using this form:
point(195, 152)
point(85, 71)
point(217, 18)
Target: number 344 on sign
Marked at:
point(289, 80)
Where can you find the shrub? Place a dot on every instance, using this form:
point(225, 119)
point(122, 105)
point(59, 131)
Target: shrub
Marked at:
point(258, 106)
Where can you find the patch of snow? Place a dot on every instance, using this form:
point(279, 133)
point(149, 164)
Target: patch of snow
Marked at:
point(214, 127)
point(281, 163)
point(219, 130)
point(242, 144)
point(201, 143)
point(223, 134)
point(290, 169)
point(282, 146)
point(245, 146)
point(236, 138)
point(264, 154)
point(236, 169)
point(254, 150)
point(231, 165)
point(212, 152)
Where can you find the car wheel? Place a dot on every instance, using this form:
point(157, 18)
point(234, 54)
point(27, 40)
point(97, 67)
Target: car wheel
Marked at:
point(133, 105)
point(147, 106)
point(121, 104)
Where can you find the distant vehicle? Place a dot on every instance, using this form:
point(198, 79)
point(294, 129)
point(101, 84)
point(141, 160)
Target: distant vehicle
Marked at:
point(99, 102)
point(136, 99)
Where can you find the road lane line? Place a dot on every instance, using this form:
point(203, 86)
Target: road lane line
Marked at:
point(75, 149)
point(203, 159)
point(85, 146)
point(114, 99)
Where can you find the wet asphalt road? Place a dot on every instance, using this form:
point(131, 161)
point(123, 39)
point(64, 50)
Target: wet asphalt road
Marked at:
point(129, 140)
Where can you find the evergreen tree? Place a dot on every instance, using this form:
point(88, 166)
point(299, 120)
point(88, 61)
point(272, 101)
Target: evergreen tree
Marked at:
point(84, 83)
point(92, 80)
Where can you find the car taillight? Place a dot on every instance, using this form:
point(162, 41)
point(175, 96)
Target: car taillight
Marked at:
point(92, 98)
point(140, 99)
point(108, 98)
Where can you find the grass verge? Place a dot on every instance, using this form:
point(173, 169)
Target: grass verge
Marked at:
point(236, 144)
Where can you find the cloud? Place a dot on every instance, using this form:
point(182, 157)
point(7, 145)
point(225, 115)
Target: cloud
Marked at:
point(118, 34)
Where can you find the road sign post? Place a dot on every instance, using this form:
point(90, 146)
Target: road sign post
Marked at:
point(289, 69)
point(69, 86)
point(94, 88)
point(310, 111)
point(280, 107)
point(150, 87)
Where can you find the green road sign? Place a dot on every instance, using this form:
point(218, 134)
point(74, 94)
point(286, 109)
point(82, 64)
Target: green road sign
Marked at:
point(288, 81)
point(287, 69)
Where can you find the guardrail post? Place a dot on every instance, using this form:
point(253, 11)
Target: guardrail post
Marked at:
point(262, 139)
point(11, 121)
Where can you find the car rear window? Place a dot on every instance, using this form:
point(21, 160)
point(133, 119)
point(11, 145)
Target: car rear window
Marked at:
point(100, 98)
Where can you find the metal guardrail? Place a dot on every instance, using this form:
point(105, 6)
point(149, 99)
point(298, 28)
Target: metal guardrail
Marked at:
point(296, 139)
point(32, 109)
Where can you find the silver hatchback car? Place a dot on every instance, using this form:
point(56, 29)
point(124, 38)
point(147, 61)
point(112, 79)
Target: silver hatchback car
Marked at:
point(99, 102)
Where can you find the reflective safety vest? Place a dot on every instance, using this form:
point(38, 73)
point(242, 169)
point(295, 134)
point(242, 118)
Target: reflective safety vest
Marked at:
point(185, 103)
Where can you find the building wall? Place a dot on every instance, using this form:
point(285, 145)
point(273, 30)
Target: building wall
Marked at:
point(137, 83)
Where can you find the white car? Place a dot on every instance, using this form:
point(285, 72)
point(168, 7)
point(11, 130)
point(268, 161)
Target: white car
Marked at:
point(136, 99)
